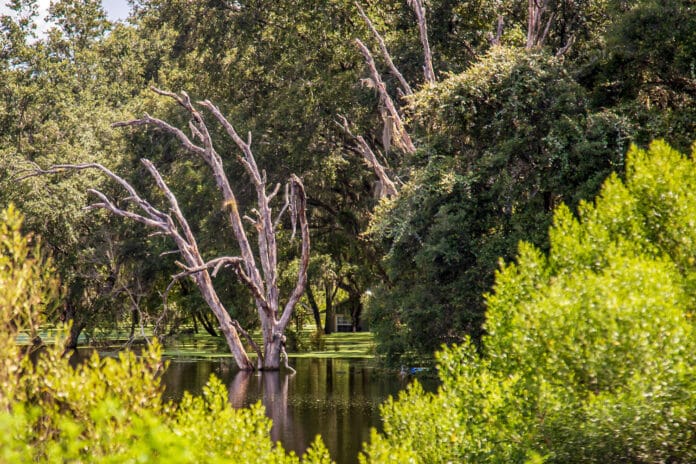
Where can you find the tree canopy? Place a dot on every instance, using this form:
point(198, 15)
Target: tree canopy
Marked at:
point(531, 104)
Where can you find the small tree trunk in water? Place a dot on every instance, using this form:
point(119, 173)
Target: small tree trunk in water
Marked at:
point(206, 323)
point(356, 312)
point(75, 331)
point(231, 336)
point(271, 355)
point(135, 319)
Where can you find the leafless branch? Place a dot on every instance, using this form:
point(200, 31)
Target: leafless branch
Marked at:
point(226, 261)
point(391, 117)
point(385, 53)
point(166, 127)
point(564, 49)
point(387, 186)
point(263, 284)
point(535, 13)
point(181, 234)
point(301, 214)
point(495, 40)
point(250, 341)
point(419, 10)
point(285, 206)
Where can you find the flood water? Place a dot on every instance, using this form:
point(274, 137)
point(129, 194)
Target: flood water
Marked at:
point(336, 398)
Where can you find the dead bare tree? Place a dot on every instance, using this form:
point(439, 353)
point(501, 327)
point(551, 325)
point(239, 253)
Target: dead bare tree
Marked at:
point(394, 129)
point(263, 282)
point(419, 10)
point(537, 31)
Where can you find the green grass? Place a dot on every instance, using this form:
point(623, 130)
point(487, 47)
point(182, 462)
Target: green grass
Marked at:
point(343, 345)
point(203, 346)
point(337, 345)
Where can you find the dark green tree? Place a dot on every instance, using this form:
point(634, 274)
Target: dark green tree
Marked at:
point(60, 93)
point(503, 144)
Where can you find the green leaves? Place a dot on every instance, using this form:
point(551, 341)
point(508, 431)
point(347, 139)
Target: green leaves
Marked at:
point(589, 354)
point(507, 140)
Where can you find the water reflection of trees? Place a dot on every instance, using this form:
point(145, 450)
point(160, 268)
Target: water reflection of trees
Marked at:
point(272, 388)
point(336, 398)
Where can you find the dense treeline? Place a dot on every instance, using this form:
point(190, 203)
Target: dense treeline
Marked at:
point(578, 349)
point(515, 124)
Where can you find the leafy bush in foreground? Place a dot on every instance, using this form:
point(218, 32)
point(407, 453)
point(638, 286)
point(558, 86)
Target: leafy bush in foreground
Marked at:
point(589, 354)
point(106, 410)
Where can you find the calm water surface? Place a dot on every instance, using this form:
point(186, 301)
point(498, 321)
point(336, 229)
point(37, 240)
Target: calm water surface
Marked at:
point(336, 398)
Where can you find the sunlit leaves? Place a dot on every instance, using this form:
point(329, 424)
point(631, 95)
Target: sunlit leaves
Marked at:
point(589, 354)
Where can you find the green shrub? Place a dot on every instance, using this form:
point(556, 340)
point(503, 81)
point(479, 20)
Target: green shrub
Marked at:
point(590, 353)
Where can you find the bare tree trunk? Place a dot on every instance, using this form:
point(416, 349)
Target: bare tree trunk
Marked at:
point(536, 30)
point(330, 313)
point(205, 285)
point(205, 323)
point(385, 53)
point(387, 188)
point(75, 327)
point(419, 10)
point(262, 283)
point(394, 129)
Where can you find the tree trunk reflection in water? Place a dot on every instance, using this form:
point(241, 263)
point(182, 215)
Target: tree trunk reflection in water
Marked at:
point(274, 386)
point(336, 398)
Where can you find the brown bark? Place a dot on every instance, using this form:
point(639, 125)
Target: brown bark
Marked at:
point(75, 327)
point(200, 316)
point(315, 309)
point(330, 312)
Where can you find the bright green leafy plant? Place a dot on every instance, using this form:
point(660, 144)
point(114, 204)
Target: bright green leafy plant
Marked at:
point(589, 354)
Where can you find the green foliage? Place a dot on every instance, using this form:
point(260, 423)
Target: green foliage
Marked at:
point(589, 354)
point(26, 290)
point(648, 69)
point(507, 140)
point(105, 410)
point(58, 96)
